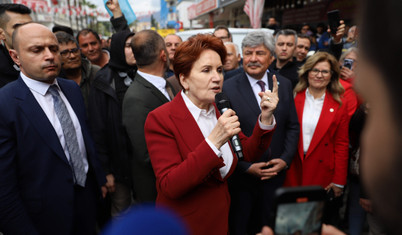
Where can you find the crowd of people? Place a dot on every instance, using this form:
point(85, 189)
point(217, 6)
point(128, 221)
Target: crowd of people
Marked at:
point(88, 132)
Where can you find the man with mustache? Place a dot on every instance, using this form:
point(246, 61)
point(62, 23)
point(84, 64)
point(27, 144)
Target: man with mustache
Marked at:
point(50, 179)
point(73, 66)
point(252, 186)
point(285, 64)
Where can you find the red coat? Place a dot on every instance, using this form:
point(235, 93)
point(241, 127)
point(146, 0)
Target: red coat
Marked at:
point(187, 170)
point(350, 97)
point(326, 160)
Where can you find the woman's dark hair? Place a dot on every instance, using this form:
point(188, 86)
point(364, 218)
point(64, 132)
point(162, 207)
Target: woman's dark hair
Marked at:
point(189, 51)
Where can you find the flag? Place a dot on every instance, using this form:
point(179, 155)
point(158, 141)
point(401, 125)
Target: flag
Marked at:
point(254, 9)
point(126, 9)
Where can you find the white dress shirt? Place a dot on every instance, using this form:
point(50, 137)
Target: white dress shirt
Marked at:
point(206, 121)
point(158, 82)
point(311, 114)
point(45, 100)
point(256, 88)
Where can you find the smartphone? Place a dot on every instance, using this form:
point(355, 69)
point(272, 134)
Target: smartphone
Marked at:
point(298, 210)
point(333, 20)
point(348, 63)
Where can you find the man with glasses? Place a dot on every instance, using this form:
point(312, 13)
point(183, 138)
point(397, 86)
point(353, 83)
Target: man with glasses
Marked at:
point(74, 67)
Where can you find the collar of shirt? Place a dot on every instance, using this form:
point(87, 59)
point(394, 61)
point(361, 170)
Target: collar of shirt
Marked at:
point(37, 86)
point(195, 111)
point(254, 85)
point(311, 97)
point(158, 82)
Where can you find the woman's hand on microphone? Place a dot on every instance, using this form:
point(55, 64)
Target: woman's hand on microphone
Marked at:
point(269, 101)
point(227, 126)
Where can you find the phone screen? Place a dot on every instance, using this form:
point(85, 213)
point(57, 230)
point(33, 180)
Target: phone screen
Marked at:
point(299, 218)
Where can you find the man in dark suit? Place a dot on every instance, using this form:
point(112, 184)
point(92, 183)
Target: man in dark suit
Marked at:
point(50, 177)
point(148, 91)
point(253, 185)
point(11, 15)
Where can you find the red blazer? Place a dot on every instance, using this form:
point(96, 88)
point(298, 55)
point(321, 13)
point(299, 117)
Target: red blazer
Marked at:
point(326, 160)
point(187, 170)
point(350, 97)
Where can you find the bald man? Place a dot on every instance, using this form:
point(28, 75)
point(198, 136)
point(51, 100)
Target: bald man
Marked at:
point(50, 177)
point(172, 41)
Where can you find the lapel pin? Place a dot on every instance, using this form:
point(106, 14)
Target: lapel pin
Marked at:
point(331, 110)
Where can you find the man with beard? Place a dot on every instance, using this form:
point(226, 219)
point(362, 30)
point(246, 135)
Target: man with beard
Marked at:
point(73, 67)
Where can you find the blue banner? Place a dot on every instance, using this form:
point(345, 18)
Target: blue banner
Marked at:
point(126, 9)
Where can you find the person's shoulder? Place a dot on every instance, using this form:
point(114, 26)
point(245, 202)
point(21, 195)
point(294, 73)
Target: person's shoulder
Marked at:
point(67, 83)
point(9, 90)
point(282, 80)
point(232, 73)
point(235, 78)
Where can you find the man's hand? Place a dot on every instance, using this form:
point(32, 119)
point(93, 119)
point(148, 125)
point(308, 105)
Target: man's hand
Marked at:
point(347, 73)
point(114, 7)
point(269, 101)
point(277, 165)
point(325, 230)
point(104, 191)
point(337, 190)
point(110, 186)
point(259, 170)
point(366, 204)
point(339, 32)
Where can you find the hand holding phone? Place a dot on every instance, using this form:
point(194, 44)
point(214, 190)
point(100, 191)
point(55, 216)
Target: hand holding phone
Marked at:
point(298, 210)
point(333, 20)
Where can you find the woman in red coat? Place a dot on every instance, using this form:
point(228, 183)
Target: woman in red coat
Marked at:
point(322, 157)
point(187, 139)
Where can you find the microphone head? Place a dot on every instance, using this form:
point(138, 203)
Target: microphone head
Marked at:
point(222, 101)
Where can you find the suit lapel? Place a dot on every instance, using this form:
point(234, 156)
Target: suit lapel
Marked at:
point(34, 113)
point(328, 112)
point(245, 90)
point(299, 103)
point(152, 88)
point(188, 127)
point(185, 123)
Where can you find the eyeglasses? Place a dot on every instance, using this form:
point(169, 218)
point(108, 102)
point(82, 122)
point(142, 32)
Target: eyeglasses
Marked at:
point(324, 73)
point(67, 52)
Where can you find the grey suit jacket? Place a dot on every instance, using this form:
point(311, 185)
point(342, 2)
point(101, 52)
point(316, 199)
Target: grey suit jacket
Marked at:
point(141, 98)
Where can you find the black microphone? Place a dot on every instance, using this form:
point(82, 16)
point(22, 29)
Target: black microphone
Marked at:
point(223, 103)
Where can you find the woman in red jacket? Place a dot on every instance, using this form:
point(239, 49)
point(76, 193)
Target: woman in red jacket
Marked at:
point(322, 157)
point(187, 139)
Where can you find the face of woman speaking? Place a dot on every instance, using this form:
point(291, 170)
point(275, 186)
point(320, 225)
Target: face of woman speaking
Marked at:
point(205, 79)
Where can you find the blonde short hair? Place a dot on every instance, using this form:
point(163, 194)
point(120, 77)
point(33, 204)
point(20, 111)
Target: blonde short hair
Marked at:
point(334, 86)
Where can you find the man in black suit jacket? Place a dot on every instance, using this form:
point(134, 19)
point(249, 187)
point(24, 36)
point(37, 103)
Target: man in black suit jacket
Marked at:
point(42, 191)
point(147, 92)
point(253, 185)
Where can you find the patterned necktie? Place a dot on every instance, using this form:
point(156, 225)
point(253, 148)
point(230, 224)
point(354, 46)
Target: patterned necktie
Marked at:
point(76, 157)
point(262, 85)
